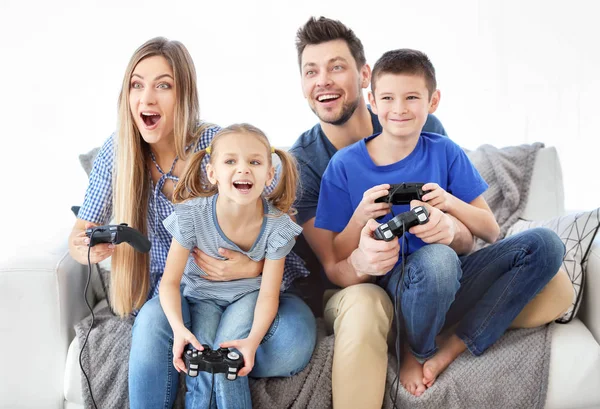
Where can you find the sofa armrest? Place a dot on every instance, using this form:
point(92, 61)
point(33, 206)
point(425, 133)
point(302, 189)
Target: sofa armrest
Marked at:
point(41, 293)
point(590, 305)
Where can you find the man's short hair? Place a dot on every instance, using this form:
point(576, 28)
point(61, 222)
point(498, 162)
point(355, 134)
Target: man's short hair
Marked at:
point(321, 30)
point(405, 61)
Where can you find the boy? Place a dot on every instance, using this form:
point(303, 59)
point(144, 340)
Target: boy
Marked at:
point(439, 288)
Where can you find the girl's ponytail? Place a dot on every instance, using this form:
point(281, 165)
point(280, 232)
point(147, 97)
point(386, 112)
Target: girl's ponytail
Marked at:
point(284, 194)
point(194, 182)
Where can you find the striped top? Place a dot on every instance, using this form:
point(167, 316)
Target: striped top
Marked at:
point(194, 224)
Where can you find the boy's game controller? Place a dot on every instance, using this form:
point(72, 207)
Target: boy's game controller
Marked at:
point(222, 360)
point(403, 193)
point(401, 223)
point(117, 234)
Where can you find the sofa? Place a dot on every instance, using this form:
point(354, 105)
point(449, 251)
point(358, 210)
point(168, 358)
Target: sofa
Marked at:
point(41, 298)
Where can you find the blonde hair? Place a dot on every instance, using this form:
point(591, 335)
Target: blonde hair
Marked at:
point(130, 278)
point(195, 183)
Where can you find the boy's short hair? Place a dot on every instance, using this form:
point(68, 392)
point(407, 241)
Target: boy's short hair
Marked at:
point(405, 61)
point(317, 31)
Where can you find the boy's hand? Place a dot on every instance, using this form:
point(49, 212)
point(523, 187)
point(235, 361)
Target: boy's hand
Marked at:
point(181, 337)
point(374, 257)
point(438, 197)
point(368, 209)
point(248, 348)
point(439, 229)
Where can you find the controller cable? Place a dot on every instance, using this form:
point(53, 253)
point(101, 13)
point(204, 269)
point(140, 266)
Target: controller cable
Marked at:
point(87, 283)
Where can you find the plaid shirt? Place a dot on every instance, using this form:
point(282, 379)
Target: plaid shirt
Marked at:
point(97, 207)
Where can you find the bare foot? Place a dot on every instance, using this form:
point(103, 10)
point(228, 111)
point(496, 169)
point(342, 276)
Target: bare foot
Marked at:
point(448, 352)
point(411, 374)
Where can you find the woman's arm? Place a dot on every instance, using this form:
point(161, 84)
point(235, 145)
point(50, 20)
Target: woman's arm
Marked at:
point(78, 245)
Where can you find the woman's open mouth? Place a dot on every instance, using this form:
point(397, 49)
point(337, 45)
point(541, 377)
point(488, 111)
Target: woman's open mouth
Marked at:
point(150, 119)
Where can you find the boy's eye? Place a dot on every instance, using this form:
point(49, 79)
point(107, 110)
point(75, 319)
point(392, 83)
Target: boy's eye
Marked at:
point(412, 97)
point(386, 98)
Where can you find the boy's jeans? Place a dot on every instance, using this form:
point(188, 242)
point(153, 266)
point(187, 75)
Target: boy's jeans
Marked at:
point(285, 350)
point(482, 292)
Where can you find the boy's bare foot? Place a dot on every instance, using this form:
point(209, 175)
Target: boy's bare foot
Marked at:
point(448, 352)
point(411, 374)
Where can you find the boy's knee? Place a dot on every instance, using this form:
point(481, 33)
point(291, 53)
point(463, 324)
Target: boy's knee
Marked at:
point(437, 267)
point(548, 244)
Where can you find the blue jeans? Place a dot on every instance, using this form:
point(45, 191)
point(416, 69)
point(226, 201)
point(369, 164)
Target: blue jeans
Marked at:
point(482, 292)
point(285, 350)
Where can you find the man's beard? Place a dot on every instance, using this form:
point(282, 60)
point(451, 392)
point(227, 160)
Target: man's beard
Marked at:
point(347, 112)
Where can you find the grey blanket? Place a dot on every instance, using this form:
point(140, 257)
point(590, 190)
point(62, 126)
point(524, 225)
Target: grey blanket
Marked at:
point(511, 374)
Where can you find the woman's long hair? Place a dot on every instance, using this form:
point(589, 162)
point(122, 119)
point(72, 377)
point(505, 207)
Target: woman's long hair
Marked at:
point(130, 278)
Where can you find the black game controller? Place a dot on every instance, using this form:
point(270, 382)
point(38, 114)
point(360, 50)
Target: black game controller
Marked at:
point(222, 360)
point(404, 221)
point(115, 234)
point(403, 193)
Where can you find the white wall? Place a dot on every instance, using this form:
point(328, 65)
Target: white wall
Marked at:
point(510, 72)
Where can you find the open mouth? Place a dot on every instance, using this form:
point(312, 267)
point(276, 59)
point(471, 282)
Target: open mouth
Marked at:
point(328, 97)
point(243, 186)
point(150, 118)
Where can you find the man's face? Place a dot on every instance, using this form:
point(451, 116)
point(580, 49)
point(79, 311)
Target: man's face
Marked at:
point(331, 82)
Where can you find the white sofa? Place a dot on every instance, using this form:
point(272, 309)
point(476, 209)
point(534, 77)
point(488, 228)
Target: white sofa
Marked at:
point(41, 298)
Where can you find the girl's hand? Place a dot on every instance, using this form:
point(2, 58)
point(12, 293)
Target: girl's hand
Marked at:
point(99, 252)
point(438, 197)
point(235, 267)
point(368, 209)
point(181, 337)
point(247, 348)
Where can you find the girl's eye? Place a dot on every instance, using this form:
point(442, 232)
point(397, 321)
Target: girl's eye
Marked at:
point(255, 162)
point(230, 161)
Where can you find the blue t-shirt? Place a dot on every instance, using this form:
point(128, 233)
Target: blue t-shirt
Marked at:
point(352, 171)
point(313, 151)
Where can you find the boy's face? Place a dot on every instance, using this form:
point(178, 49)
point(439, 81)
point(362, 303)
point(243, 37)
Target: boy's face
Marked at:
point(331, 82)
point(402, 102)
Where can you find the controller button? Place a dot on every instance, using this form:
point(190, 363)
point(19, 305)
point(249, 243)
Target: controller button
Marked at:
point(422, 218)
point(387, 234)
point(189, 352)
point(231, 377)
point(193, 366)
point(194, 355)
point(233, 356)
point(192, 373)
point(232, 370)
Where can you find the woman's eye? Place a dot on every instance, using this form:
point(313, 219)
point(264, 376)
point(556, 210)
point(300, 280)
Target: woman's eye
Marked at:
point(164, 85)
point(136, 85)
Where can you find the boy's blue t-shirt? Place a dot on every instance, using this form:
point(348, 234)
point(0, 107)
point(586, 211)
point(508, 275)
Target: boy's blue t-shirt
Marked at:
point(313, 151)
point(352, 171)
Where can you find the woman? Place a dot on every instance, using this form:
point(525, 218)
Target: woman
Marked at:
point(132, 181)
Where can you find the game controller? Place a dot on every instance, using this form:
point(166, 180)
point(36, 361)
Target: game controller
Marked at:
point(403, 193)
point(116, 234)
point(401, 223)
point(222, 360)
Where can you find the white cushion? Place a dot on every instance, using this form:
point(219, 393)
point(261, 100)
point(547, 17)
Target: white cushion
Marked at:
point(574, 368)
point(546, 195)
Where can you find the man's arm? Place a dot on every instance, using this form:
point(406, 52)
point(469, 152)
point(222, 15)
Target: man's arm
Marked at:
point(371, 257)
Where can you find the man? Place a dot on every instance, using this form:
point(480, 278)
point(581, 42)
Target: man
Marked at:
point(334, 72)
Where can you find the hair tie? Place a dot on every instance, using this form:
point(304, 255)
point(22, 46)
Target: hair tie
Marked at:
point(208, 150)
point(272, 149)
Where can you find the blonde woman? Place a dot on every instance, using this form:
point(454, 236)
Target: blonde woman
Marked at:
point(132, 181)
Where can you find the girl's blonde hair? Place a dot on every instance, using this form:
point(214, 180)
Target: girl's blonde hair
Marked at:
point(195, 183)
point(130, 273)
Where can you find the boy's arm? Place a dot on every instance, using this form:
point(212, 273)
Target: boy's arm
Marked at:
point(477, 217)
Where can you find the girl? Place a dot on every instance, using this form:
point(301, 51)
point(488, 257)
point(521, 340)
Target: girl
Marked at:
point(226, 208)
point(132, 181)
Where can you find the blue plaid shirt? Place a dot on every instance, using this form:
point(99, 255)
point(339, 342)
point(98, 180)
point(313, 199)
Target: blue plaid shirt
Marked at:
point(97, 208)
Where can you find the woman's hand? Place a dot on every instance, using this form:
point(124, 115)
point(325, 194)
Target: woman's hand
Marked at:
point(247, 348)
point(80, 246)
point(368, 209)
point(181, 337)
point(438, 197)
point(236, 265)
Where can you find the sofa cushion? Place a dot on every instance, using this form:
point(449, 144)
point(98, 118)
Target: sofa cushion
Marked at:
point(574, 373)
point(546, 194)
point(577, 231)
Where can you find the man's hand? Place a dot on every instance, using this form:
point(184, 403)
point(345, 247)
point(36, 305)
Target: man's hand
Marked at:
point(438, 197)
point(368, 209)
point(439, 229)
point(374, 257)
point(235, 267)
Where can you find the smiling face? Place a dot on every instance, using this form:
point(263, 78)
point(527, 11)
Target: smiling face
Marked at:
point(402, 102)
point(240, 166)
point(152, 97)
point(331, 82)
